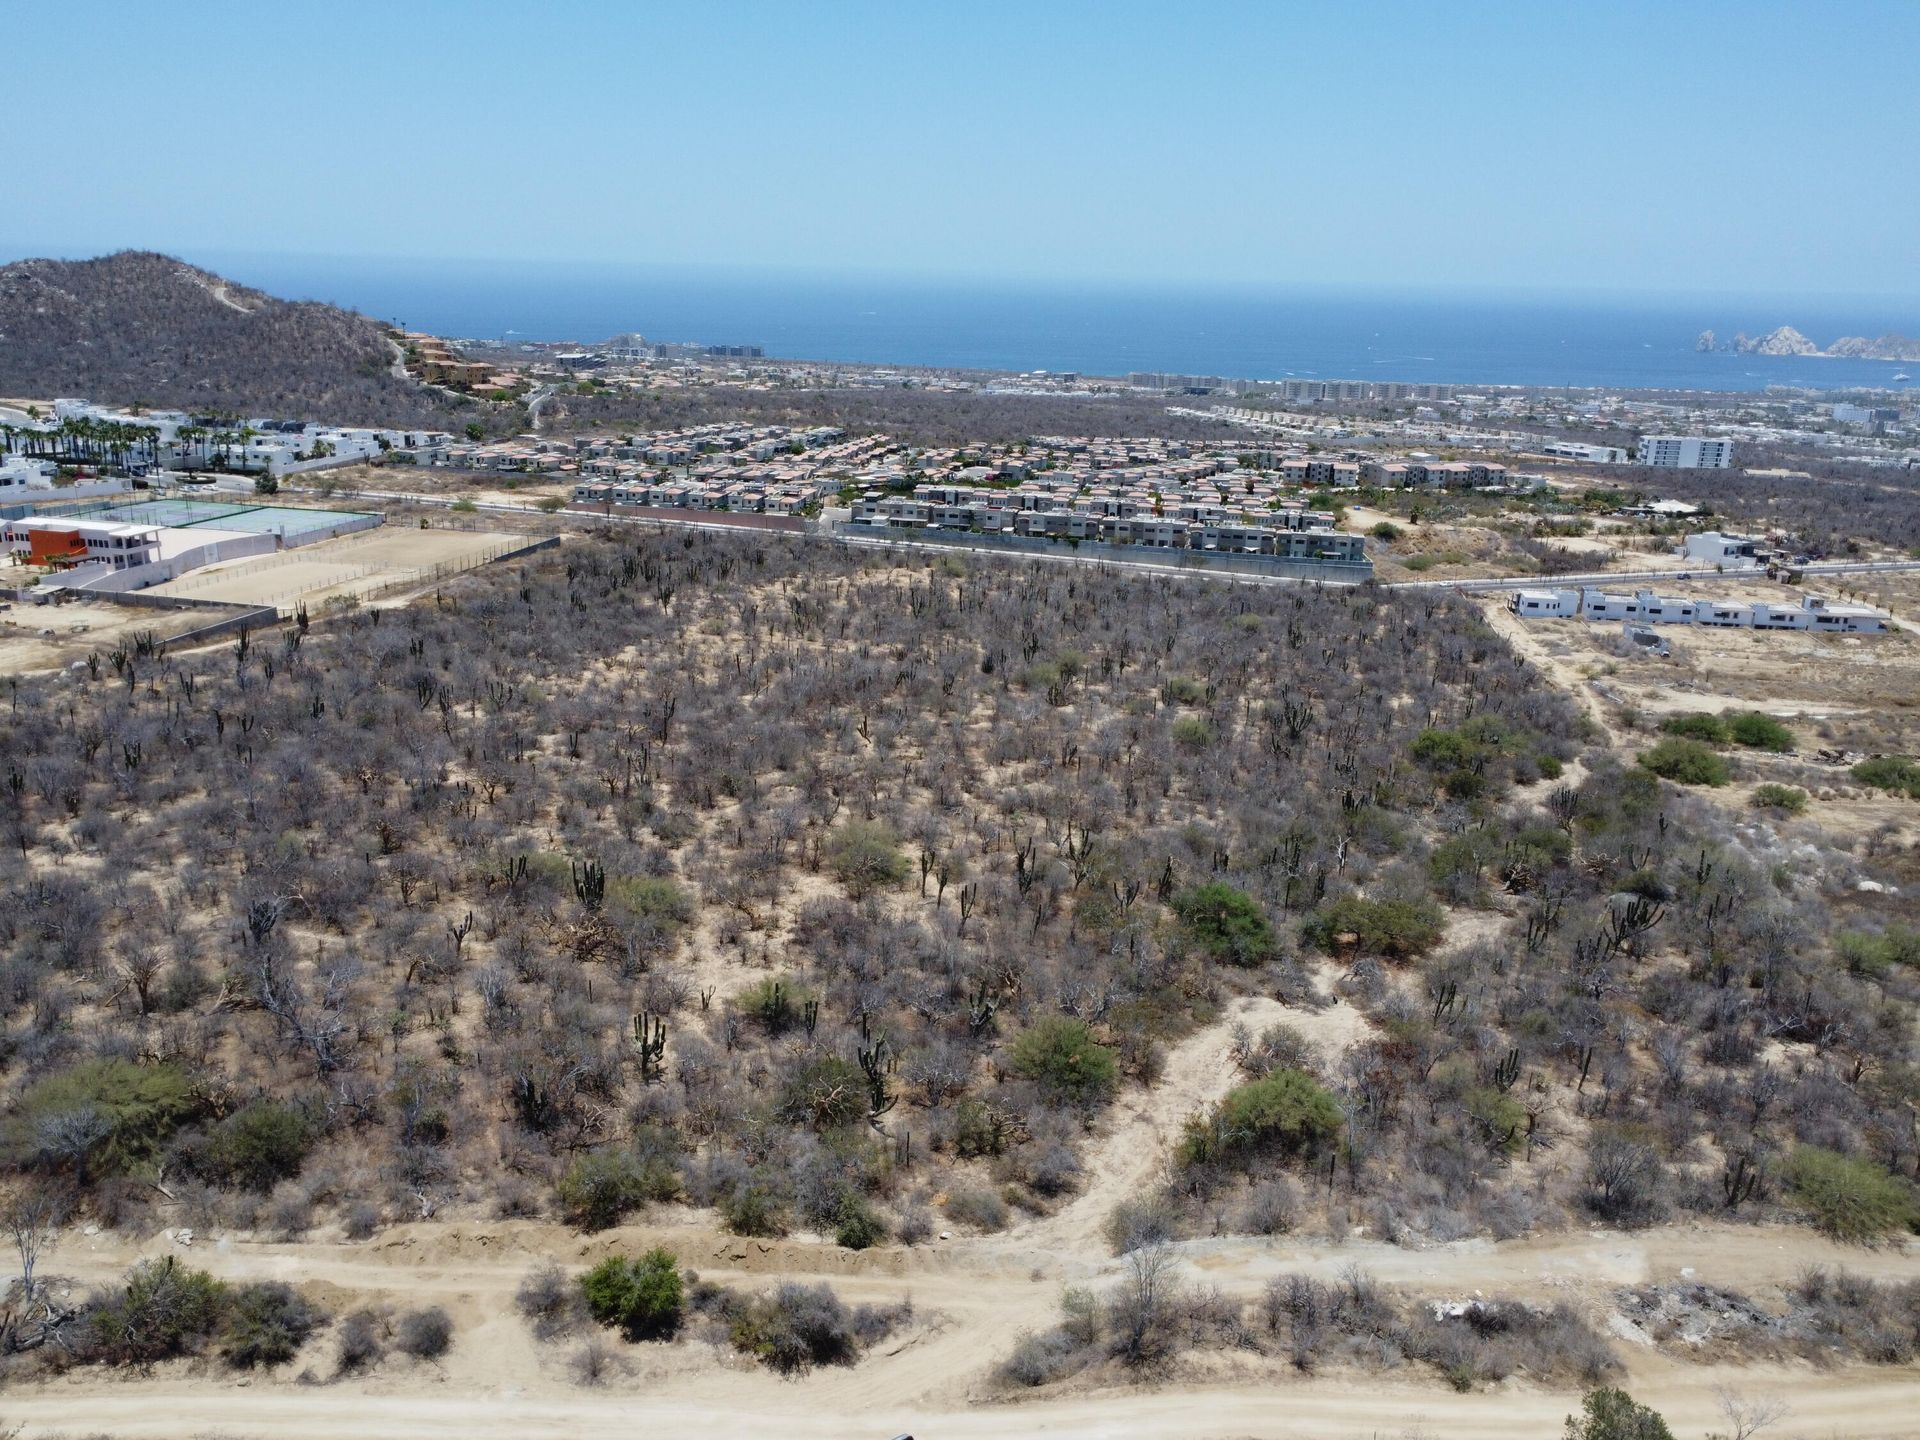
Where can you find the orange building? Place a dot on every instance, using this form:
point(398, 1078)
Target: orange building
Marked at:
point(56, 547)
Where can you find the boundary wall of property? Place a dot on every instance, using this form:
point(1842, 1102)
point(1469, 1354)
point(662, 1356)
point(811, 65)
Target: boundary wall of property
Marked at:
point(243, 617)
point(1333, 572)
point(138, 577)
point(24, 500)
point(447, 569)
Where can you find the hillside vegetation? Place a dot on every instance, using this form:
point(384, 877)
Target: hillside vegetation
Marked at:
point(140, 328)
point(846, 895)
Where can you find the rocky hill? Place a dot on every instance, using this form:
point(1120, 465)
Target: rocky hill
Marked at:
point(143, 328)
point(1887, 347)
point(1789, 341)
point(1784, 341)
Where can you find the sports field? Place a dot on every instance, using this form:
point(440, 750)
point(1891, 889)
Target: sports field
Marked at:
point(358, 565)
point(288, 520)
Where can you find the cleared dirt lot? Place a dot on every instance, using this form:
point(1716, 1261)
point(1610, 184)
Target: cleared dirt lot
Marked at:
point(1858, 693)
point(1791, 674)
point(356, 565)
point(50, 637)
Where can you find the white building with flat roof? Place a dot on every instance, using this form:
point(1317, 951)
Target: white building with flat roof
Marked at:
point(1725, 552)
point(1684, 452)
point(1590, 454)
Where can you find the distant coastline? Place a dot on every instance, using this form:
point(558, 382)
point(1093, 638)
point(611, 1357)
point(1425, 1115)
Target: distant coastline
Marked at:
point(1257, 335)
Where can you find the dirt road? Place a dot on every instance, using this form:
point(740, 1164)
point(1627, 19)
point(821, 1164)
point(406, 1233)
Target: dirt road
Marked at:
point(972, 1298)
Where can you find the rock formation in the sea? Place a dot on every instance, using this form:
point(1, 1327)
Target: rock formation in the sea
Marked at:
point(1784, 341)
point(1705, 343)
point(1887, 347)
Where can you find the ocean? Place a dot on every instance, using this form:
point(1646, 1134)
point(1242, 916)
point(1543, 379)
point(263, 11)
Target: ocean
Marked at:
point(1262, 335)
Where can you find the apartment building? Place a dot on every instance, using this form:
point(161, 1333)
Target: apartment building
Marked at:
point(1646, 608)
point(1684, 452)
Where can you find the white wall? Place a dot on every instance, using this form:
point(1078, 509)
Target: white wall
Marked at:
point(139, 577)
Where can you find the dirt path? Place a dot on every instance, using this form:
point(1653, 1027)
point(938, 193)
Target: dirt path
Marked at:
point(1514, 631)
point(972, 1298)
point(1125, 1162)
point(1872, 1407)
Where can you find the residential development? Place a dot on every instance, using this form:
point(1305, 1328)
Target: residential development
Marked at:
point(1647, 608)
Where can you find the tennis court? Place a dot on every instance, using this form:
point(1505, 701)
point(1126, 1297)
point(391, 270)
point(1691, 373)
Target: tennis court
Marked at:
point(288, 520)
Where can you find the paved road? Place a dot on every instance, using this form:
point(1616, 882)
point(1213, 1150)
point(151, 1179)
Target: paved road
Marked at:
point(535, 400)
point(1641, 577)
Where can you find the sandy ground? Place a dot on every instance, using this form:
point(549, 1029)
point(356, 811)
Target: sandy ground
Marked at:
point(482, 487)
point(972, 1298)
point(50, 637)
point(1790, 674)
point(357, 564)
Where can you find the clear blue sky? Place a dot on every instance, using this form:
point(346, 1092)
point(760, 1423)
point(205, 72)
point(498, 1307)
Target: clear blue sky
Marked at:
point(1674, 145)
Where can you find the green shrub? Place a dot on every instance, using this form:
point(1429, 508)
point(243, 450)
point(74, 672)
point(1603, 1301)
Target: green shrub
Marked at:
point(1455, 866)
point(1501, 1118)
point(266, 1324)
point(1448, 750)
point(164, 1310)
point(100, 1117)
point(865, 856)
point(653, 898)
point(1760, 732)
point(1701, 725)
point(1227, 924)
point(1609, 1414)
point(1059, 1054)
point(603, 1188)
point(1686, 762)
point(1462, 756)
point(856, 1225)
point(753, 1208)
point(776, 1002)
point(1285, 1113)
point(1385, 530)
point(796, 1328)
point(1897, 773)
point(1788, 799)
point(979, 1129)
point(1398, 929)
point(642, 1298)
point(1875, 954)
point(1418, 563)
point(260, 1145)
point(1194, 732)
point(1184, 690)
point(1850, 1198)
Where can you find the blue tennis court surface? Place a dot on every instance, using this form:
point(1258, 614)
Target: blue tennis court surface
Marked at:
point(217, 515)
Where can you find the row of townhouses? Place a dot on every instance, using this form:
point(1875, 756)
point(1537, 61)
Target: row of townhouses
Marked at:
point(1177, 523)
point(1644, 607)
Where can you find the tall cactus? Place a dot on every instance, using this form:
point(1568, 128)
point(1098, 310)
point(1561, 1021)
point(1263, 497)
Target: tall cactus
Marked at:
point(590, 883)
point(650, 1039)
point(873, 1063)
